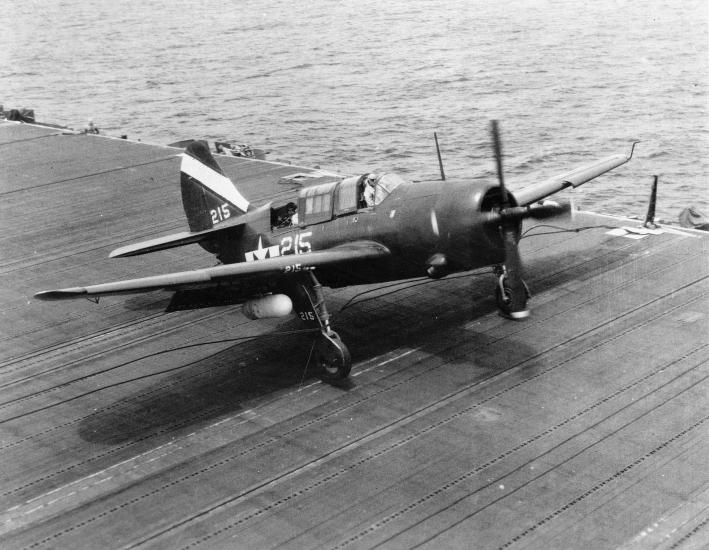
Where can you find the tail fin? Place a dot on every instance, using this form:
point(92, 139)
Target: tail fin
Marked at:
point(208, 196)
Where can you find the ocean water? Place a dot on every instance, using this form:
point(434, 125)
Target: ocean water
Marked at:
point(356, 86)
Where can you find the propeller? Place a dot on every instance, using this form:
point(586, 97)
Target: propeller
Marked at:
point(512, 292)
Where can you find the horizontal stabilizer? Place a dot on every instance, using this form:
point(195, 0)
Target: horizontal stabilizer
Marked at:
point(574, 178)
point(225, 274)
point(172, 241)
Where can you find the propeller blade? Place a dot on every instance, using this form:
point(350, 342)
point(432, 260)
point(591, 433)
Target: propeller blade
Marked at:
point(515, 291)
point(549, 210)
point(518, 213)
point(494, 128)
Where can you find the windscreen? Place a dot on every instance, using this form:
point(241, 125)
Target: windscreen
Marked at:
point(386, 183)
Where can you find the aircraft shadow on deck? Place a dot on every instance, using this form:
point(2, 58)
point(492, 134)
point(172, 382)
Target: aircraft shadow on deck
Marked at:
point(238, 377)
point(234, 379)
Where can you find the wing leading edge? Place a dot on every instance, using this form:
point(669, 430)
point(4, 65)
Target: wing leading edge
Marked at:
point(214, 276)
point(576, 177)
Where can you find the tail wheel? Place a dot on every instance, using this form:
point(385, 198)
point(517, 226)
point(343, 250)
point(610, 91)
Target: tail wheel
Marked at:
point(332, 357)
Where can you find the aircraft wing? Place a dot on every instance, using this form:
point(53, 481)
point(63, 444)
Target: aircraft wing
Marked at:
point(223, 274)
point(575, 178)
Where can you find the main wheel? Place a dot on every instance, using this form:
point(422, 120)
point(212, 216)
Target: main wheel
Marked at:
point(503, 295)
point(332, 357)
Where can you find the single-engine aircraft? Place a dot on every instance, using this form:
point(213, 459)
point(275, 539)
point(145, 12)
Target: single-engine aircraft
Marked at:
point(373, 228)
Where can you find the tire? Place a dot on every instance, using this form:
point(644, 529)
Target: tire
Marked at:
point(332, 358)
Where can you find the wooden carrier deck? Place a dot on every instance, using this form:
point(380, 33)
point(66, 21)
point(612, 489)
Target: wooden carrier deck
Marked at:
point(124, 427)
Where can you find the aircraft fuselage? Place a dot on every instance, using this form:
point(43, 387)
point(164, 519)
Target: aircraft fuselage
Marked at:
point(417, 222)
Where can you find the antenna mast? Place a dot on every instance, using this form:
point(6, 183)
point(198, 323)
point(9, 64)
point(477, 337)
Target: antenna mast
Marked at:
point(440, 162)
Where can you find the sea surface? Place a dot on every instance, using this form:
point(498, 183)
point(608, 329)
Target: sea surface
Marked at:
point(358, 86)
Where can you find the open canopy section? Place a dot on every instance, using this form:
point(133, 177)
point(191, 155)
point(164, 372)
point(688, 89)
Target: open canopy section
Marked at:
point(384, 184)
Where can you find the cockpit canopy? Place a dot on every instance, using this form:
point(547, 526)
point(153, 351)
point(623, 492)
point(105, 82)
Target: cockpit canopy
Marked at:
point(365, 191)
point(322, 202)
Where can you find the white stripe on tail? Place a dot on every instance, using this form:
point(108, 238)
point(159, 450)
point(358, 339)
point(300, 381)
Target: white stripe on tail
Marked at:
point(217, 183)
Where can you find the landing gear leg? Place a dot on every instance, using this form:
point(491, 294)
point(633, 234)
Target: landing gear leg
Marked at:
point(503, 294)
point(331, 355)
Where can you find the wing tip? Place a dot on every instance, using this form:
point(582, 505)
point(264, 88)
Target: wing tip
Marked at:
point(121, 252)
point(61, 294)
point(632, 149)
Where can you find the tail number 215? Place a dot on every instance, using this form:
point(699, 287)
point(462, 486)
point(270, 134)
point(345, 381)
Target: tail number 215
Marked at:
point(220, 213)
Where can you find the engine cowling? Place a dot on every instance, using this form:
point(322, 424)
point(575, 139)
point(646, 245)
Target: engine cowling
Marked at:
point(266, 307)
